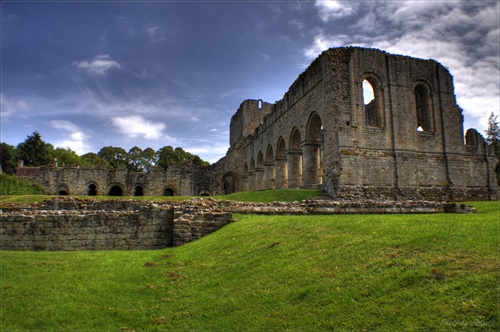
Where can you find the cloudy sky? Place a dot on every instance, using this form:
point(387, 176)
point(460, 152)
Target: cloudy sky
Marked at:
point(90, 74)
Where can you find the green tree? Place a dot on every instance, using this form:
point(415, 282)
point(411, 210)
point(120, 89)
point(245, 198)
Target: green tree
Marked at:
point(135, 159)
point(170, 156)
point(116, 157)
point(66, 157)
point(166, 156)
point(150, 158)
point(34, 151)
point(493, 139)
point(7, 158)
point(93, 159)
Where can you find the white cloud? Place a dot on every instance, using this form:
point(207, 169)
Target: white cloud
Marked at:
point(137, 126)
point(211, 153)
point(158, 34)
point(10, 106)
point(73, 138)
point(331, 10)
point(100, 65)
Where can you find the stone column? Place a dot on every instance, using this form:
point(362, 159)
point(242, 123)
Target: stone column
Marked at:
point(269, 175)
point(259, 178)
point(294, 158)
point(244, 182)
point(251, 181)
point(311, 164)
point(281, 172)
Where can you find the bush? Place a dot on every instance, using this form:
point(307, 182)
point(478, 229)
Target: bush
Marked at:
point(11, 185)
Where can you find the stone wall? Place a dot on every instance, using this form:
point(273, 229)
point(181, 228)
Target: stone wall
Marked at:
point(72, 224)
point(408, 140)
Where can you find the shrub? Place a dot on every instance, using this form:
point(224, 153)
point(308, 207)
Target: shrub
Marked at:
point(11, 185)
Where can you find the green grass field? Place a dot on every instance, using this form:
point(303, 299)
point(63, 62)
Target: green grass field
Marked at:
point(345, 272)
point(267, 196)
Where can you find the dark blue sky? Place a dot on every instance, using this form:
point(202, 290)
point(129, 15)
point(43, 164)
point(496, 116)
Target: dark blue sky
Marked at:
point(93, 74)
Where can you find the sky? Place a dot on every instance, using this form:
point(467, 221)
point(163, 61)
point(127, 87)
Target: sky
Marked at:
point(90, 74)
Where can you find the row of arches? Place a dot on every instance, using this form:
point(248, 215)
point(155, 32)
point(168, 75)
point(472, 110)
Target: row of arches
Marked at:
point(374, 104)
point(299, 165)
point(115, 189)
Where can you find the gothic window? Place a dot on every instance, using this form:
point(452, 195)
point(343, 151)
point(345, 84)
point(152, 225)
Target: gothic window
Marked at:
point(371, 103)
point(423, 108)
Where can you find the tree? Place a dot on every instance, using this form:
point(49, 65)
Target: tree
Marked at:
point(116, 157)
point(6, 158)
point(166, 156)
point(93, 159)
point(135, 159)
point(493, 139)
point(66, 157)
point(150, 158)
point(34, 151)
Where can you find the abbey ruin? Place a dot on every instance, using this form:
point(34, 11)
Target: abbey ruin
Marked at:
point(406, 142)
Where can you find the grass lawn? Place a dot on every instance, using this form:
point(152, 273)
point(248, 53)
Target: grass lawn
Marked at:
point(267, 196)
point(347, 272)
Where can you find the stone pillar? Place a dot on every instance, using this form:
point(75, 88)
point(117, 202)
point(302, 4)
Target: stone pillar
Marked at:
point(259, 178)
point(269, 175)
point(311, 164)
point(294, 158)
point(281, 173)
point(251, 181)
point(244, 182)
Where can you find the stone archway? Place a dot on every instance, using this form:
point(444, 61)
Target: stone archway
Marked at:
point(92, 189)
point(312, 152)
point(281, 169)
point(294, 160)
point(229, 183)
point(168, 192)
point(115, 189)
point(138, 191)
point(269, 170)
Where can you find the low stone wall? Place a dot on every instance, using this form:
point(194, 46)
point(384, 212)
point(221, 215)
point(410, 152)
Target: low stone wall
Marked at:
point(73, 224)
point(320, 206)
point(438, 194)
point(96, 230)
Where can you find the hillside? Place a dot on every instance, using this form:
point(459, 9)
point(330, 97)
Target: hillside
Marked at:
point(384, 272)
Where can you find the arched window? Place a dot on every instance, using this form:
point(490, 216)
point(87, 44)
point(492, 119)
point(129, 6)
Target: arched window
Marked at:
point(371, 103)
point(423, 108)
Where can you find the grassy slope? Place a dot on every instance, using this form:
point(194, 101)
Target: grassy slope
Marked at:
point(385, 272)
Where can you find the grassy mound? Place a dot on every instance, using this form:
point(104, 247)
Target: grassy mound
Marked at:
point(349, 272)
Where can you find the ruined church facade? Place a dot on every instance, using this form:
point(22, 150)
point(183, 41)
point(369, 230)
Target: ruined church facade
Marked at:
point(408, 141)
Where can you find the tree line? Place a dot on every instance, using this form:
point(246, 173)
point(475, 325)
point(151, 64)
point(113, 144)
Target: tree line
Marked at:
point(34, 151)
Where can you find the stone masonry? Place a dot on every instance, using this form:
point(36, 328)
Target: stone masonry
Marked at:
point(74, 224)
point(406, 143)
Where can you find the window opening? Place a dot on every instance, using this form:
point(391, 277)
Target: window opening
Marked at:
point(369, 100)
point(423, 108)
